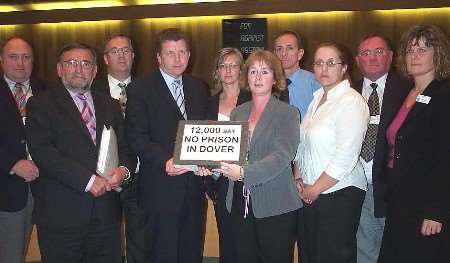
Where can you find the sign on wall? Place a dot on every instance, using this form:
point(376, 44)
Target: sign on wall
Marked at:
point(245, 34)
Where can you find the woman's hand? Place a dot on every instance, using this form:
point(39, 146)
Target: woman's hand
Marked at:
point(231, 171)
point(309, 194)
point(202, 171)
point(430, 227)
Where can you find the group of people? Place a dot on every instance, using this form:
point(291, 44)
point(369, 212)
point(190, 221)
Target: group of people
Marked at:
point(354, 171)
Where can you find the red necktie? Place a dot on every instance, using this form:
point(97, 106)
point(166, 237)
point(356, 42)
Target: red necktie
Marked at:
point(21, 98)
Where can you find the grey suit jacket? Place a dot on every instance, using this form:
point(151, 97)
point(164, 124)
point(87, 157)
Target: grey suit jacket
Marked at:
point(268, 174)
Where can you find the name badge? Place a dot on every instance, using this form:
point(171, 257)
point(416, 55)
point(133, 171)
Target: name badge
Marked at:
point(423, 99)
point(374, 119)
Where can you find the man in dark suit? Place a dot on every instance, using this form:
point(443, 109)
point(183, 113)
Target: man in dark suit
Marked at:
point(173, 198)
point(118, 56)
point(384, 91)
point(77, 212)
point(16, 170)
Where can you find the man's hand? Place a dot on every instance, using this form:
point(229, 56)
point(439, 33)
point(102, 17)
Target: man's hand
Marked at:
point(117, 176)
point(100, 186)
point(26, 169)
point(430, 227)
point(172, 171)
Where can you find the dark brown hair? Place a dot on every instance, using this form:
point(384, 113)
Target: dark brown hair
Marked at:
point(432, 37)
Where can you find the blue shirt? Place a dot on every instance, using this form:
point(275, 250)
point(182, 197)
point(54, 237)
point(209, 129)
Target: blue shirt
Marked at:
point(303, 85)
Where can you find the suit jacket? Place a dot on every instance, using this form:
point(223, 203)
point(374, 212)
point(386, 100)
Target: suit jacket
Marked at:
point(13, 189)
point(272, 148)
point(395, 91)
point(419, 184)
point(152, 118)
point(62, 147)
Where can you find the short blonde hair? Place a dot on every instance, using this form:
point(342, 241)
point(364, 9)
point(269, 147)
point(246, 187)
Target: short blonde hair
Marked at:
point(272, 62)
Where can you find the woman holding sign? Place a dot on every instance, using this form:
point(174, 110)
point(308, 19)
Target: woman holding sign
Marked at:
point(418, 160)
point(227, 71)
point(262, 196)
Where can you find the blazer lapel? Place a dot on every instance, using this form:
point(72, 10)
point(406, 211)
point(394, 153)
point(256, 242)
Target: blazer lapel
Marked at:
point(67, 104)
point(8, 98)
point(264, 121)
point(100, 116)
point(167, 95)
point(418, 107)
point(187, 98)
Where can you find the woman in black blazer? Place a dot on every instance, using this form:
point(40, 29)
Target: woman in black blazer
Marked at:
point(418, 161)
point(227, 70)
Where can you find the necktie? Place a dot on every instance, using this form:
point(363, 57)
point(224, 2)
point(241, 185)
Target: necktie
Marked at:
point(21, 98)
point(368, 147)
point(123, 96)
point(87, 116)
point(284, 95)
point(179, 98)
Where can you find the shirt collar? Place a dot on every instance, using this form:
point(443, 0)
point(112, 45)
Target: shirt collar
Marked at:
point(169, 79)
point(381, 82)
point(334, 92)
point(74, 94)
point(116, 82)
point(12, 84)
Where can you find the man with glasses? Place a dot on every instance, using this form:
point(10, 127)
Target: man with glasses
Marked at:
point(77, 212)
point(118, 56)
point(301, 84)
point(384, 91)
point(16, 170)
point(173, 198)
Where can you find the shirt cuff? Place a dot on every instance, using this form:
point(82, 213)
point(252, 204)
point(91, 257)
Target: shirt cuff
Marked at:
point(90, 183)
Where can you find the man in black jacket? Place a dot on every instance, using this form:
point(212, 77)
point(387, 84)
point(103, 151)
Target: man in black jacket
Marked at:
point(16, 170)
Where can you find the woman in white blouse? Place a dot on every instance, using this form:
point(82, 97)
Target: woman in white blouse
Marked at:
point(331, 181)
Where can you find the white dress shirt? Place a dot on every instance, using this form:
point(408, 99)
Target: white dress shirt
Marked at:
point(366, 91)
point(114, 88)
point(331, 137)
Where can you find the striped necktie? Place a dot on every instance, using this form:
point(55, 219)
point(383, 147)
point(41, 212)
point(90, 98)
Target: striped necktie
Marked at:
point(87, 116)
point(123, 96)
point(21, 98)
point(178, 95)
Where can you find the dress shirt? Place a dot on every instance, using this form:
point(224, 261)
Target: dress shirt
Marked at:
point(169, 80)
point(366, 91)
point(29, 92)
point(79, 105)
point(301, 90)
point(114, 88)
point(331, 137)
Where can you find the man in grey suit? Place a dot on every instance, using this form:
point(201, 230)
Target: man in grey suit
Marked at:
point(384, 91)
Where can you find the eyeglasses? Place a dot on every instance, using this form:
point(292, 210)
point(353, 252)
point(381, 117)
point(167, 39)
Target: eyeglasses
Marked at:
point(376, 52)
point(420, 51)
point(85, 64)
point(117, 51)
point(329, 63)
point(231, 66)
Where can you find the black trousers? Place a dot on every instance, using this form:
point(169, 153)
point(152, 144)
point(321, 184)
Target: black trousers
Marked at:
point(177, 235)
point(94, 243)
point(136, 226)
point(227, 249)
point(327, 228)
point(262, 240)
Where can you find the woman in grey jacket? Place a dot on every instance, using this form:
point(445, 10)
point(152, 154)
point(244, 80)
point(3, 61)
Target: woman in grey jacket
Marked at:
point(262, 195)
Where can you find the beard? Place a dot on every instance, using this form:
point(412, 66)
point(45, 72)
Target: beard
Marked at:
point(77, 84)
